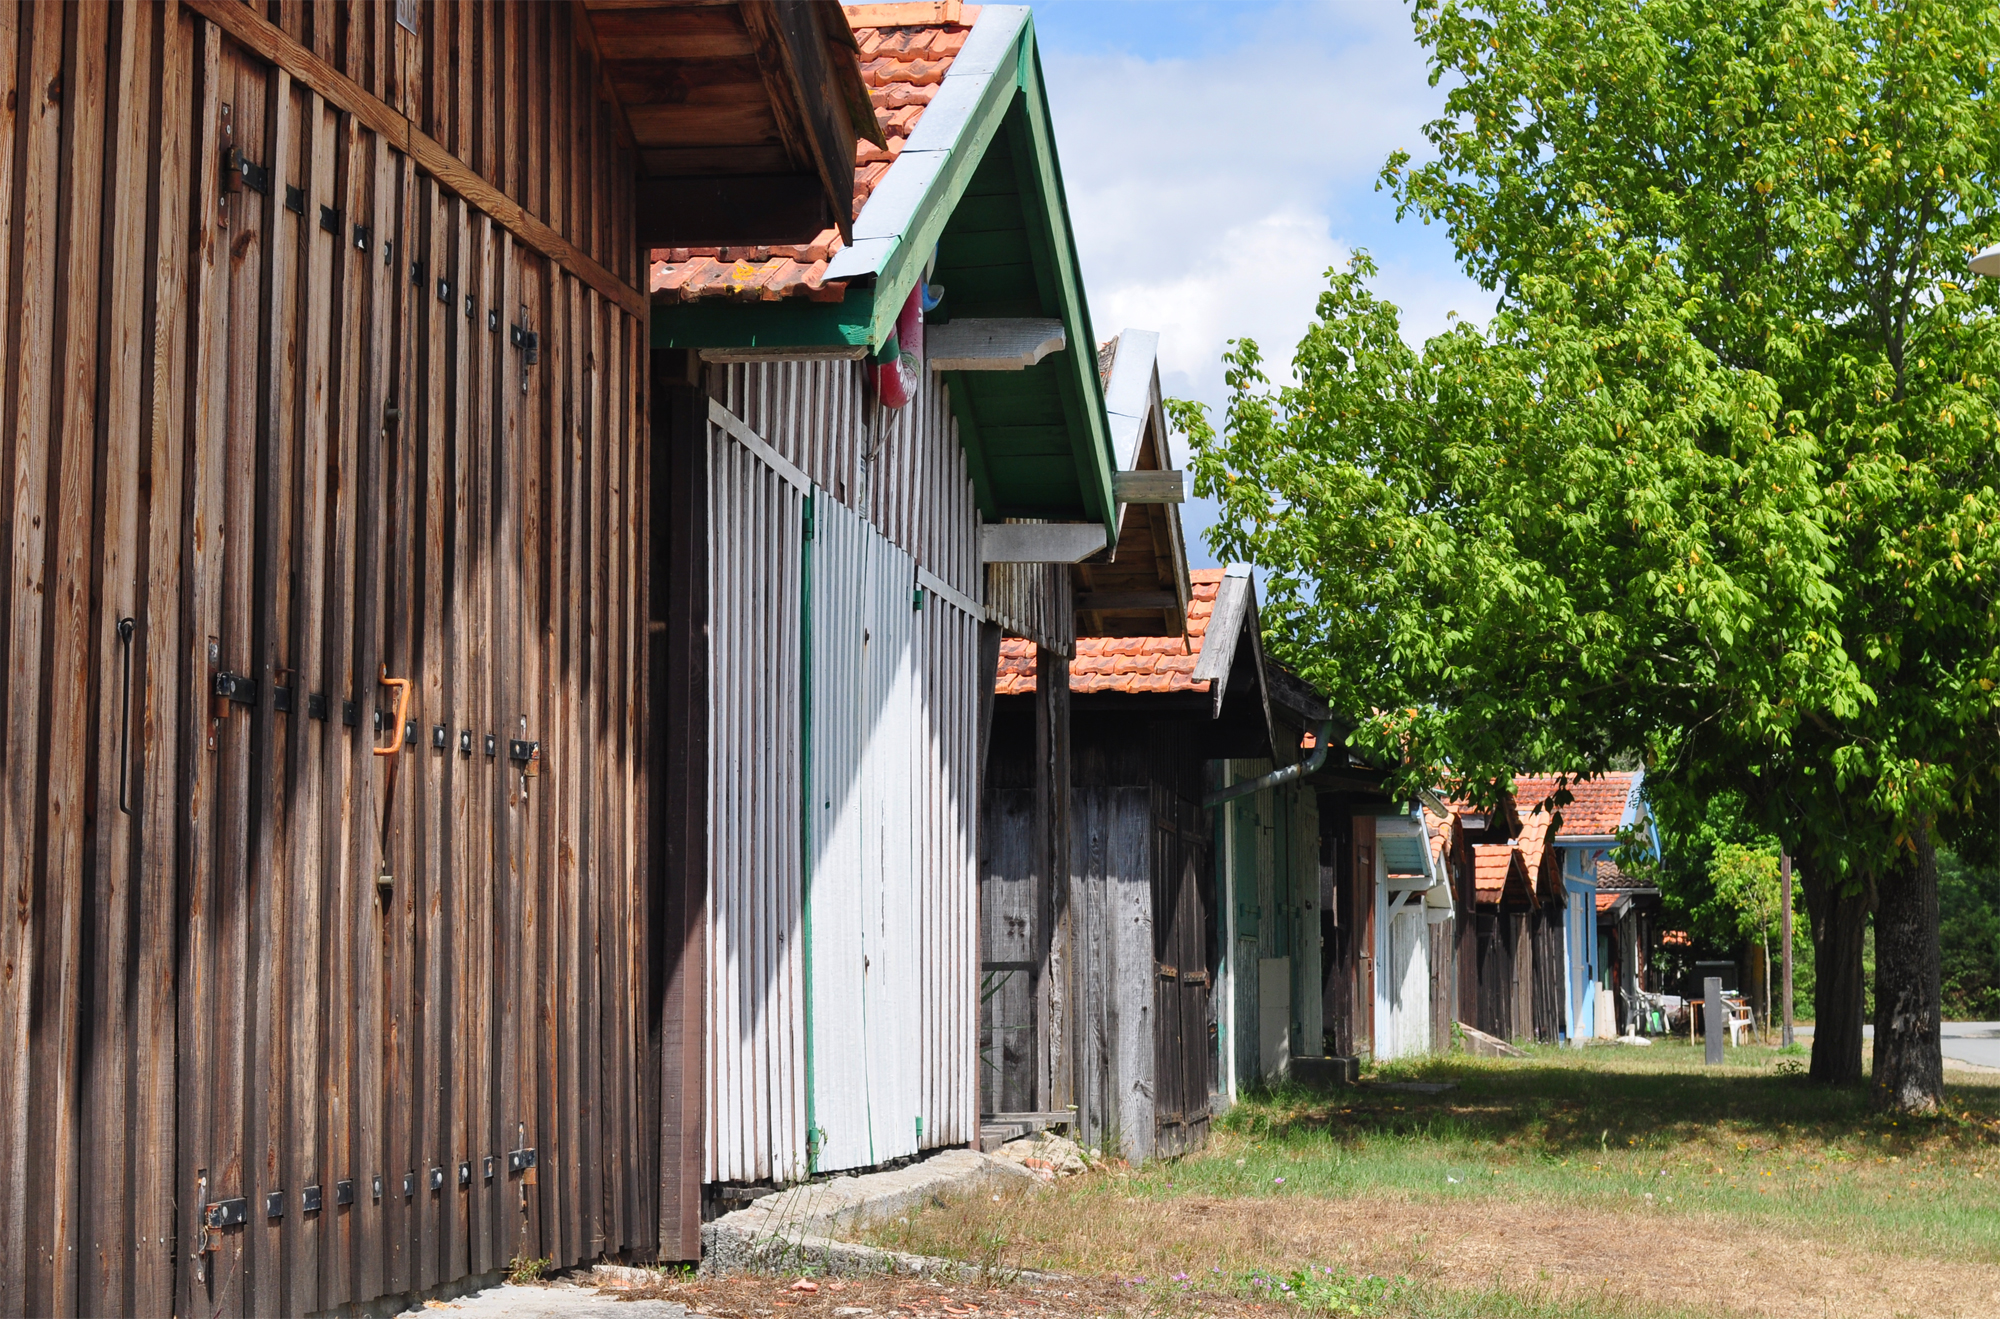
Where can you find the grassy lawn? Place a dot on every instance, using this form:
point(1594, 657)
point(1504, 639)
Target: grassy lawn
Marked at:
point(1572, 1181)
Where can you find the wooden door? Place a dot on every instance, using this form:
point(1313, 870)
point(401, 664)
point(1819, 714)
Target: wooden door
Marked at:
point(411, 978)
point(1184, 978)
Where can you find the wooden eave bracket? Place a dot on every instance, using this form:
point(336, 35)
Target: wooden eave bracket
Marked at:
point(1039, 542)
point(1149, 486)
point(992, 344)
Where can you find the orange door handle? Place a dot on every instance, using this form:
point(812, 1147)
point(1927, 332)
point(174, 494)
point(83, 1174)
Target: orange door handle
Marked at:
point(395, 742)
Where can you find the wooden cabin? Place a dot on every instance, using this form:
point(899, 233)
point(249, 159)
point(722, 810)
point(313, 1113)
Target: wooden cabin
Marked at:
point(1133, 977)
point(883, 451)
point(1628, 923)
point(334, 600)
point(1588, 819)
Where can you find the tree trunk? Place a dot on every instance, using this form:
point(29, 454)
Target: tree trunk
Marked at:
point(1839, 925)
point(1909, 1055)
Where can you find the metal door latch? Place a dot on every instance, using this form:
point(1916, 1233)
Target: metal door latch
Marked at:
point(226, 1213)
point(525, 753)
point(520, 1160)
point(235, 687)
point(240, 172)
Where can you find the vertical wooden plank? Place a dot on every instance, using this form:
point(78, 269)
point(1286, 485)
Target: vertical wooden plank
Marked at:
point(261, 541)
point(17, 928)
point(538, 676)
point(399, 498)
point(158, 677)
point(511, 908)
point(201, 1173)
point(369, 913)
point(482, 1125)
point(32, 252)
point(312, 1009)
point(113, 1153)
point(331, 669)
point(427, 514)
point(66, 577)
point(599, 753)
point(465, 1063)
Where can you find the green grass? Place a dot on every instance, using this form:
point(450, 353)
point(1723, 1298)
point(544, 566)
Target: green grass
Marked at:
point(1614, 1125)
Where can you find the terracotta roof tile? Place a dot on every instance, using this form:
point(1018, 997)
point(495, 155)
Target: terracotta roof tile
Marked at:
point(906, 50)
point(1598, 804)
point(1123, 664)
point(1491, 865)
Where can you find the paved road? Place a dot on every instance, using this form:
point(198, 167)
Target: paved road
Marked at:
point(1976, 1042)
point(557, 1300)
point(1973, 1042)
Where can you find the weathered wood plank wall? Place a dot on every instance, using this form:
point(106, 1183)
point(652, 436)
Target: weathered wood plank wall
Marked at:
point(275, 421)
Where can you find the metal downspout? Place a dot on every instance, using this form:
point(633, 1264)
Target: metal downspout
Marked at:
point(1322, 743)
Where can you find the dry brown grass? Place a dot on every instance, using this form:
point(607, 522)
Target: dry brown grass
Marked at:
point(1653, 1262)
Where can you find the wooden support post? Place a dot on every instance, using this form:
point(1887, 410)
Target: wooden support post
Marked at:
point(1711, 1020)
point(1785, 921)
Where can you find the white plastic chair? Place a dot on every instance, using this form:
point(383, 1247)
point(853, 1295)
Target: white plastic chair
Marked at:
point(1739, 1017)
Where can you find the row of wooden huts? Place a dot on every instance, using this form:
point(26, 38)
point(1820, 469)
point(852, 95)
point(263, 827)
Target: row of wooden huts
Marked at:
point(512, 511)
point(589, 634)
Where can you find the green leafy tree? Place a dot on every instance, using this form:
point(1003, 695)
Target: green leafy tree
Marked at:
point(1969, 900)
point(1718, 480)
point(1747, 894)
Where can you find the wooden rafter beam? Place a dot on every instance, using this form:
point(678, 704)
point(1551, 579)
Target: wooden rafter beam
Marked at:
point(270, 42)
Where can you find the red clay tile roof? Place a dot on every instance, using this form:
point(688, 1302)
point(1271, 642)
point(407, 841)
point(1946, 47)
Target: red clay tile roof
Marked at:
point(1609, 876)
point(905, 51)
point(1491, 864)
point(1598, 805)
point(1124, 664)
point(1534, 839)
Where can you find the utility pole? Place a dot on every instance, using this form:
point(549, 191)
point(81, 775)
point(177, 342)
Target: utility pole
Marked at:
point(1785, 906)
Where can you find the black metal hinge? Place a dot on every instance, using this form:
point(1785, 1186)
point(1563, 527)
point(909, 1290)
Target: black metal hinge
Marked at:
point(520, 1160)
point(235, 687)
point(236, 165)
point(295, 200)
point(226, 1213)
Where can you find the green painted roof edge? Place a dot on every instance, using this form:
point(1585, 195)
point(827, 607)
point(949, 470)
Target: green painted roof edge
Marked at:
point(867, 315)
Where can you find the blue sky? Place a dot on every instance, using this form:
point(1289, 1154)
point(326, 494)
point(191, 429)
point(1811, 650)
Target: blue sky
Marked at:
point(1218, 158)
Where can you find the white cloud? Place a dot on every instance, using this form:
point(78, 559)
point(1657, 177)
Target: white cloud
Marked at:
point(1210, 192)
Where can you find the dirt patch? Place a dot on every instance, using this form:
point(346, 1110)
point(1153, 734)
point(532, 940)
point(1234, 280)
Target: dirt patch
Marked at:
point(1655, 1260)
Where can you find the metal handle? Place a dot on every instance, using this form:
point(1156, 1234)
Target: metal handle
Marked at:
point(125, 629)
point(395, 742)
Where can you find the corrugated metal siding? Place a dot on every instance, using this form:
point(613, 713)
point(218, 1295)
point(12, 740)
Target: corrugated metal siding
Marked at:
point(952, 675)
point(890, 714)
point(904, 469)
point(756, 1044)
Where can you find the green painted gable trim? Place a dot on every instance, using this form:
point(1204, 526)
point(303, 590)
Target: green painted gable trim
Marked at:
point(1057, 465)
